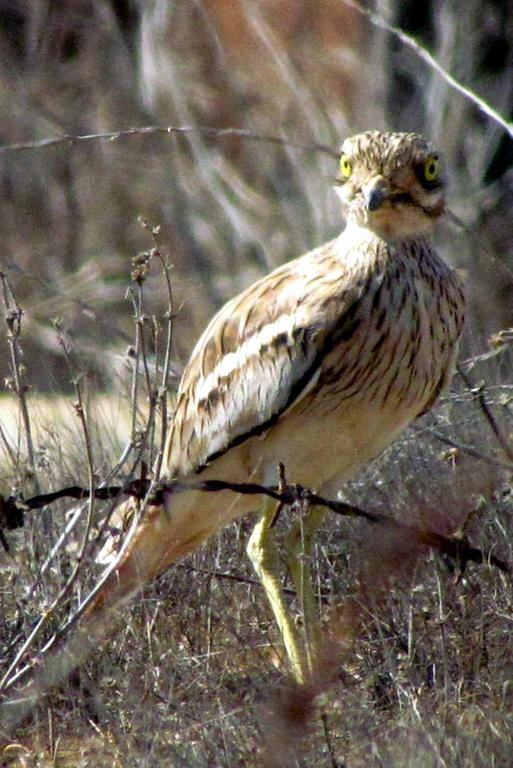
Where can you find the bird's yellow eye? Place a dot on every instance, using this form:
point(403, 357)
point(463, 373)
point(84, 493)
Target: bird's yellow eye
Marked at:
point(345, 167)
point(431, 169)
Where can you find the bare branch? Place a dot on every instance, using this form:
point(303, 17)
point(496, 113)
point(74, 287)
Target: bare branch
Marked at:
point(480, 398)
point(161, 396)
point(427, 58)
point(216, 133)
point(455, 547)
point(477, 454)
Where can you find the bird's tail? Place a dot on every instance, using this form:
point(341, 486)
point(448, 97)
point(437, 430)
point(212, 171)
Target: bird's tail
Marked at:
point(165, 535)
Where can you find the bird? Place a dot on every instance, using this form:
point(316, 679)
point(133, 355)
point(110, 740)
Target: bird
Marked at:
point(318, 365)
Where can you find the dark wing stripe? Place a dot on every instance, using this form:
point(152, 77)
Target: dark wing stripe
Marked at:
point(345, 327)
point(295, 391)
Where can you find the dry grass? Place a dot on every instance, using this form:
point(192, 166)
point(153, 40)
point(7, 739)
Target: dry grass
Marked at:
point(418, 664)
point(418, 668)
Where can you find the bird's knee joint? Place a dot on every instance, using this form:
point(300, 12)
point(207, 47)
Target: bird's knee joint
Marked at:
point(260, 550)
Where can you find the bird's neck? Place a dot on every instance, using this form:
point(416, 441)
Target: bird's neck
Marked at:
point(363, 234)
point(366, 250)
point(397, 226)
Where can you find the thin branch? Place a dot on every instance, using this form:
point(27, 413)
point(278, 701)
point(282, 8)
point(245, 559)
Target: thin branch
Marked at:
point(238, 578)
point(216, 133)
point(169, 318)
point(81, 413)
point(499, 342)
point(475, 452)
point(479, 396)
point(7, 446)
point(427, 58)
point(135, 357)
point(219, 133)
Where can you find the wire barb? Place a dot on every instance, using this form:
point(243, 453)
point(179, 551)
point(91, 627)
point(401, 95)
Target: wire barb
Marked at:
point(12, 511)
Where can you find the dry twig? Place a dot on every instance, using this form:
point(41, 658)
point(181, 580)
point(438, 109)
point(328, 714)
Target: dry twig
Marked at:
point(217, 133)
point(427, 58)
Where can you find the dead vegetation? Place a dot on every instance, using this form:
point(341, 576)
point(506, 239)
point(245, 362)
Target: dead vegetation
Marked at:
point(418, 663)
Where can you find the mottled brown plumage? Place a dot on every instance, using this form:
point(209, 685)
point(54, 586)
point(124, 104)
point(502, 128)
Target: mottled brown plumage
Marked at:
point(321, 363)
point(318, 365)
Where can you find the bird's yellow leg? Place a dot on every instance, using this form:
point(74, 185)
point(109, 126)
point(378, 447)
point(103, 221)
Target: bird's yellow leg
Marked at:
point(263, 555)
point(300, 543)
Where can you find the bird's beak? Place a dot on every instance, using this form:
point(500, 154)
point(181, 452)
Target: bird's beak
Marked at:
point(375, 192)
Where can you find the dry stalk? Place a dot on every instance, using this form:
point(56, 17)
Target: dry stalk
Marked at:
point(13, 319)
point(169, 318)
point(481, 400)
point(66, 588)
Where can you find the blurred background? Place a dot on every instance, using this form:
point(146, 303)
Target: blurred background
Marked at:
point(230, 208)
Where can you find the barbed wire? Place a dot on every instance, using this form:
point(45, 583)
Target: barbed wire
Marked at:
point(12, 510)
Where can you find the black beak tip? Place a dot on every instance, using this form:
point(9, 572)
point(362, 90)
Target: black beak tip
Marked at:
point(375, 199)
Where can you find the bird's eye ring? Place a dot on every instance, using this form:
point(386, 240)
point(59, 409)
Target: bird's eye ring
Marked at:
point(431, 169)
point(346, 168)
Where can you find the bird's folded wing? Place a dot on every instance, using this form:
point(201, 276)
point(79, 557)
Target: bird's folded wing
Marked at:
point(260, 354)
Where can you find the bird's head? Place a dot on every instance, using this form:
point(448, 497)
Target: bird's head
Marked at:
point(391, 183)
